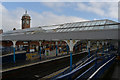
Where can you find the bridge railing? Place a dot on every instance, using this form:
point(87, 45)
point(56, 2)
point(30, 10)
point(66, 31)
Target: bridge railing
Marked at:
point(102, 68)
point(81, 62)
point(95, 66)
point(70, 74)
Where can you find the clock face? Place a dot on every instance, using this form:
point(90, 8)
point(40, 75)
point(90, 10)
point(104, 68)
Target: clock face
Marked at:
point(27, 21)
point(23, 22)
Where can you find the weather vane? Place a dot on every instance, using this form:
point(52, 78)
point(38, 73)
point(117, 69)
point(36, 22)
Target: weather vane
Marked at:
point(26, 11)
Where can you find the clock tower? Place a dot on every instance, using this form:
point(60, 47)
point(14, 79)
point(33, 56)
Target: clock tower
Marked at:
point(25, 21)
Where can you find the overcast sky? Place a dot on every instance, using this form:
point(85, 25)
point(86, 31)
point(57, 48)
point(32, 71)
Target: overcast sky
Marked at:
point(49, 13)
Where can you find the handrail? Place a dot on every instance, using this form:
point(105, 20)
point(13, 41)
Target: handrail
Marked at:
point(90, 69)
point(85, 72)
point(75, 70)
point(100, 68)
point(74, 65)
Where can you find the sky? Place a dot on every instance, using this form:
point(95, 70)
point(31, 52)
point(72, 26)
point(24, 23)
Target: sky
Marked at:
point(51, 13)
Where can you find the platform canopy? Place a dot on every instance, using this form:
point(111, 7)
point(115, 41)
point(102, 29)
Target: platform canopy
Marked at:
point(87, 30)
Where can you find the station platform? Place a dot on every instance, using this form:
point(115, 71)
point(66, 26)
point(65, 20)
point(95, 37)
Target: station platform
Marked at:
point(40, 68)
point(44, 58)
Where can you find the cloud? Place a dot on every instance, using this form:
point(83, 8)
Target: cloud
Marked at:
point(105, 9)
point(57, 6)
point(54, 4)
point(12, 19)
point(49, 18)
point(59, 0)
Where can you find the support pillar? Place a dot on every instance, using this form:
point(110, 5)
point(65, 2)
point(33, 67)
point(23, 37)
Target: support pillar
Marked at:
point(67, 49)
point(40, 49)
point(88, 48)
point(14, 45)
point(71, 50)
point(71, 44)
point(96, 55)
point(103, 47)
point(118, 49)
point(81, 47)
point(97, 46)
point(56, 48)
point(106, 45)
point(70, 61)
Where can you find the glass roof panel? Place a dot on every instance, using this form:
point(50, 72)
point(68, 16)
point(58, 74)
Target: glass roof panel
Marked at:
point(70, 25)
point(85, 24)
point(88, 24)
point(80, 24)
point(77, 24)
point(86, 28)
point(98, 22)
point(96, 27)
point(101, 27)
point(110, 22)
point(69, 29)
point(93, 23)
point(82, 28)
point(64, 26)
point(65, 29)
point(102, 22)
point(90, 28)
point(111, 27)
point(60, 30)
point(72, 29)
point(76, 29)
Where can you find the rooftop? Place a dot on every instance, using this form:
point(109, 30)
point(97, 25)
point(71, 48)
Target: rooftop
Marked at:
point(68, 27)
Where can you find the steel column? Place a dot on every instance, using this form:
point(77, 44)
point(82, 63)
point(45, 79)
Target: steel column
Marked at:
point(70, 61)
point(56, 49)
point(88, 48)
point(67, 49)
point(14, 43)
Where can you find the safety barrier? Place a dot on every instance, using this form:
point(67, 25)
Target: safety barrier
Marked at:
point(101, 69)
point(93, 69)
point(68, 75)
point(84, 60)
point(95, 66)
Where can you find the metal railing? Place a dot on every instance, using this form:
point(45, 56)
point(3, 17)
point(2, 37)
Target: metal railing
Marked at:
point(73, 72)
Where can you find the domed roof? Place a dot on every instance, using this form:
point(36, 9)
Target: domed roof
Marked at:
point(26, 14)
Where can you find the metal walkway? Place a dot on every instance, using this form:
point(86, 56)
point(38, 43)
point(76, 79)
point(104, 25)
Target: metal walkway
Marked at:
point(114, 72)
point(92, 69)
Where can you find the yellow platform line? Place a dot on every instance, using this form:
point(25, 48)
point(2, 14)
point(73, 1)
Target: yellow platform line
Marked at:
point(26, 65)
point(21, 52)
point(53, 74)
